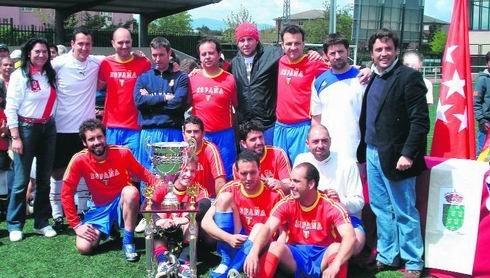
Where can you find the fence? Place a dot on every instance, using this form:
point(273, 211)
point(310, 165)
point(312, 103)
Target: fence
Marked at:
point(11, 34)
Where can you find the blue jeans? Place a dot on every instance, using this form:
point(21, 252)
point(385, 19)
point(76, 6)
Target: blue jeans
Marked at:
point(397, 219)
point(480, 136)
point(38, 140)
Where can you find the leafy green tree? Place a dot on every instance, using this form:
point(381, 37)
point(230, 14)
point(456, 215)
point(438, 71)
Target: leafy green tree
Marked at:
point(180, 23)
point(206, 31)
point(438, 42)
point(233, 20)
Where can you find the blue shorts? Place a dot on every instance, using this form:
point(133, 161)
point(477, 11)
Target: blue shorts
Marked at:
point(357, 223)
point(129, 138)
point(308, 259)
point(155, 135)
point(225, 141)
point(104, 217)
point(292, 138)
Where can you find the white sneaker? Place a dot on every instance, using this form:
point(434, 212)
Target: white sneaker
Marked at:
point(15, 236)
point(47, 231)
point(141, 226)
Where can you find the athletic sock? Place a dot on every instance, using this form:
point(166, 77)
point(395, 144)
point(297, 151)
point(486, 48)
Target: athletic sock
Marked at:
point(128, 237)
point(268, 265)
point(224, 220)
point(83, 196)
point(55, 198)
point(241, 255)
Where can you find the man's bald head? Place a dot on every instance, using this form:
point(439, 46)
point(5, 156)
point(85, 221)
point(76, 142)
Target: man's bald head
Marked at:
point(122, 43)
point(318, 142)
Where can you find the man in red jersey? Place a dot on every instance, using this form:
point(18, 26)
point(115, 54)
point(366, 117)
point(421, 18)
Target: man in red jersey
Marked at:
point(295, 76)
point(210, 171)
point(118, 73)
point(241, 206)
point(212, 95)
point(107, 170)
point(314, 224)
point(274, 164)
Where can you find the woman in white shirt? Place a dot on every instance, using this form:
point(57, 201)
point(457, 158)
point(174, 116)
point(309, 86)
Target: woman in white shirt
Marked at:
point(31, 97)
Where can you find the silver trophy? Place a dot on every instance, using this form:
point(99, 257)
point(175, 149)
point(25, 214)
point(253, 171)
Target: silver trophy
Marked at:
point(167, 159)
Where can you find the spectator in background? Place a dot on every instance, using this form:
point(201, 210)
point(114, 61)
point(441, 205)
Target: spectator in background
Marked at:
point(15, 57)
point(61, 49)
point(53, 50)
point(415, 60)
point(31, 97)
point(4, 50)
point(188, 65)
point(6, 67)
point(481, 103)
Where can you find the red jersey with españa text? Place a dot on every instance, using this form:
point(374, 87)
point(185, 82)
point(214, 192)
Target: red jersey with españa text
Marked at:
point(274, 164)
point(255, 208)
point(211, 98)
point(105, 179)
point(209, 166)
point(294, 82)
point(120, 109)
point(315, 225)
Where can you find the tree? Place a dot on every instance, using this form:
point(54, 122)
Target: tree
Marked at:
point(180, 23)
point(233, 20)
point(205, 31)
point(91, 21)
point(438, 42)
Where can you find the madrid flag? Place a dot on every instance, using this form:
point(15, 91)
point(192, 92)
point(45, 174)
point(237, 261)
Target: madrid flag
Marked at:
point(454, 131)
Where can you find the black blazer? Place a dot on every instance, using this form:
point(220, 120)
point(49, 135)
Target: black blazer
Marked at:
point(401, 124)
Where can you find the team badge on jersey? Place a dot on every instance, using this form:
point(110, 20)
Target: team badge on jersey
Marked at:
point(35, 87)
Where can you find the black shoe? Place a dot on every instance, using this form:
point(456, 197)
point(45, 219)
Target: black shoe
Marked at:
point(385, 267)
point(58, 224)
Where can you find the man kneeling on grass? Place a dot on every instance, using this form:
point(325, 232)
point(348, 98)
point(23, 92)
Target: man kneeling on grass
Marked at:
point(107, 169)
point(314, 223)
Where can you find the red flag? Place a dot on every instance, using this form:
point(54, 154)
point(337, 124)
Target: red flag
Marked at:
point(454, 132)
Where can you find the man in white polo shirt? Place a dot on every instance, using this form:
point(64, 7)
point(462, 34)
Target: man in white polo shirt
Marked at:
point(339, 178)
point(336, 98)
point(77, 73)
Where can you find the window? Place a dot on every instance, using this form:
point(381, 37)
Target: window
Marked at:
point(26, 10)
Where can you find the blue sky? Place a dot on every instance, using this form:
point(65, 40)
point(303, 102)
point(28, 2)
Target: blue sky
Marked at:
point(264, 11)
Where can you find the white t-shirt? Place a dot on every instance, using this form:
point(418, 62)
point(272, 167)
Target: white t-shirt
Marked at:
point(339, 102)
point(342, 175)
point(430, 90)
point(76, 86)
point(249, 62)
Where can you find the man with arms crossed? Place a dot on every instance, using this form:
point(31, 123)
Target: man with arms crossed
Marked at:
point(314, 224)
point(107, 170)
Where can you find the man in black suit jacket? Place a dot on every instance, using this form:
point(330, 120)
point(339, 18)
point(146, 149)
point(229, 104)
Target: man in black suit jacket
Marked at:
point(394, 125)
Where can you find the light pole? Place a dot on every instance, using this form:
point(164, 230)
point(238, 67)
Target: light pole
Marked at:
point(332, 26)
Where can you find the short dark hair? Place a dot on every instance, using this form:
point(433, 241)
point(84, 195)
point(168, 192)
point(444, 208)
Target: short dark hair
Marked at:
point(382, 34)
point(89, 125)
point(333, 39)
point(81, 30)
point(52, 45)
point(192, 119)
point(292, 29)
point(187, 65)
point(414, 52)
point(247, 156)
point(251, 125)
point(487, 57)
point(311, 174)
point(159, 42)
point(208, 39)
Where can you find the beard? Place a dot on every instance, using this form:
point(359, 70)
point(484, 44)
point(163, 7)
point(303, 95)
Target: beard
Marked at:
point(98, 150)
point(339, 65)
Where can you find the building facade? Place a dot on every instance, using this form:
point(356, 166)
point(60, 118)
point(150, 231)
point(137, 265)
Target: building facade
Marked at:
point(479, 27)
point(45, 17)
point(405, 17)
